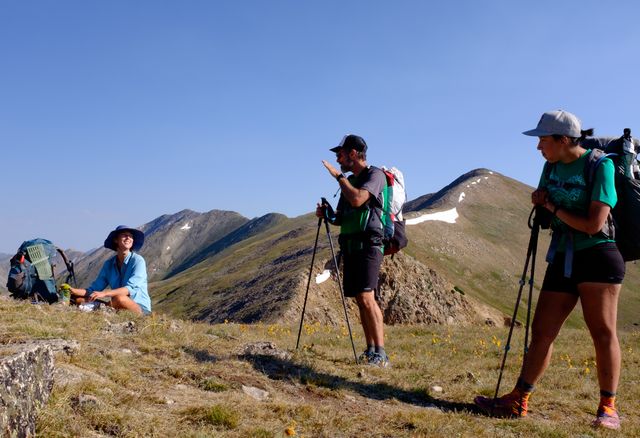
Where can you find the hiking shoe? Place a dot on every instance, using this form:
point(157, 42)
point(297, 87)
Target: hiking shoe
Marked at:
point(378, 360)
point(607, 417)
point(512, 405)
point(365, 357)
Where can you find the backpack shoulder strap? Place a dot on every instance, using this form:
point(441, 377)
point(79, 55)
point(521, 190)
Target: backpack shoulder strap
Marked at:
point(594, 159)
point(548, 167)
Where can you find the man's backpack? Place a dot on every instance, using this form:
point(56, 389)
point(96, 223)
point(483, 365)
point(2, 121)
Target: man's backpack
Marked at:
point(395, 236)
point(32, 273)
point(623, 224)
point(622, 150)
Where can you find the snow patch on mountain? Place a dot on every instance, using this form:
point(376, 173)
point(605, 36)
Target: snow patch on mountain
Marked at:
point(448, 216)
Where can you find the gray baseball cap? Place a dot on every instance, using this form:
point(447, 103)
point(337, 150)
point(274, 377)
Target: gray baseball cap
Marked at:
point(557, 123)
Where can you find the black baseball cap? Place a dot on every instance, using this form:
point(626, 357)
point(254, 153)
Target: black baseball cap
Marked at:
point(351, 142)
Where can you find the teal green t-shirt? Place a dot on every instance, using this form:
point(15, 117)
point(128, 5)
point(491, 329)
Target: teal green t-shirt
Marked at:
point(567, 189)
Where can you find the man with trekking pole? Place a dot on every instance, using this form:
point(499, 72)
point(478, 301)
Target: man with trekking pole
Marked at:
point(359, 215)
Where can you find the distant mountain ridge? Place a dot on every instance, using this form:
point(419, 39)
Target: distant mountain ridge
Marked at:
point(478, 250)
point(171, 240)
point(467, 248)
point(244, 231)
point(434, 200)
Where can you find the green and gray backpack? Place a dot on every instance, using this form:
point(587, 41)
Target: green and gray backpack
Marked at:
point(623, 223)
point(32, 273)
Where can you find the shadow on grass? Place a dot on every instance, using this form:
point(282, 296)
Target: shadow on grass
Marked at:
point(201, 356)
point(279, 369)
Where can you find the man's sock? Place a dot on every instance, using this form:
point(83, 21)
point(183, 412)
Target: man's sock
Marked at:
point(524, 386)
point(523, 390)
point(371, 349)
point(607, 399)
point(380, 350)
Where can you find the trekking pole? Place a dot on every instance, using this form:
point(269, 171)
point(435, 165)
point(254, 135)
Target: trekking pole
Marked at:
point(344, 304)
point(535, 231)
point(313, 257)
point(531, 250)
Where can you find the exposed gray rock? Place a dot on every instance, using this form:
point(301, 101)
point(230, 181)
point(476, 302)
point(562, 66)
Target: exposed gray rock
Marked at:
point(67, 374)
point(86, 402)
point(69, 347)
point(26, 380)
point(255, 393)
point(121, 328)
point(468, 376)
point(265, 349)
point(411, 293)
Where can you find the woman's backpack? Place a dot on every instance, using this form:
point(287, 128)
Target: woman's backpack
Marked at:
point(625, 224)
point(32, 271)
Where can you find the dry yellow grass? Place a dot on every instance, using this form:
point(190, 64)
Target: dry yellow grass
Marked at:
point(175, 378)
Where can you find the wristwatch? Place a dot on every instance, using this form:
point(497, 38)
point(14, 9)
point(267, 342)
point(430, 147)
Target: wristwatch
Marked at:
point(339, 177)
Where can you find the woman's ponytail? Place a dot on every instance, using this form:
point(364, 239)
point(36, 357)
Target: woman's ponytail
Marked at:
point(583, 135)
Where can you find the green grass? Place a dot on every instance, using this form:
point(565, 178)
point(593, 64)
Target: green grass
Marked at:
point(168, 384)
point(212, 385)
point(216, 415)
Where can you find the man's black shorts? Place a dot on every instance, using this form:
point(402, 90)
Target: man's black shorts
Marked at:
point(361, 270)
point(601, 263)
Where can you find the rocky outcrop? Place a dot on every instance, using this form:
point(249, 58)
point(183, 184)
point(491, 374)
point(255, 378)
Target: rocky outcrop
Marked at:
point(411, 293)
point(26, 380)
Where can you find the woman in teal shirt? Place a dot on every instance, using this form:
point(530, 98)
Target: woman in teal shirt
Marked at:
point(125, 274)
point(584, 264)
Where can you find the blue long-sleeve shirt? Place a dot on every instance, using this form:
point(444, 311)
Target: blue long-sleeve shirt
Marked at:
point(132, 275)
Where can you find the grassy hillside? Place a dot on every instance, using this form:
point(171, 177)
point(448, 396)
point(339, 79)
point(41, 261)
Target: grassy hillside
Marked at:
point(263, 277)
point(484, 252)
point(252, 280)
point(159, 377)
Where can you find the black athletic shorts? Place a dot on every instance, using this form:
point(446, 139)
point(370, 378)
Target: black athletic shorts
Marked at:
point(599, 264)
point(361, 270)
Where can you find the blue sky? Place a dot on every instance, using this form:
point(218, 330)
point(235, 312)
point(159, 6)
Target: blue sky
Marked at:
point(115, 112)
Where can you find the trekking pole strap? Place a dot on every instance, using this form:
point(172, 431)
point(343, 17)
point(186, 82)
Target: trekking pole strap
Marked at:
point(568, 252)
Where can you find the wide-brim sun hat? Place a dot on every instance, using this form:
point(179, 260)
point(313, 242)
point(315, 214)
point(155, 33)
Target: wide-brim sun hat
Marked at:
point(557, 123)
point(138, 238)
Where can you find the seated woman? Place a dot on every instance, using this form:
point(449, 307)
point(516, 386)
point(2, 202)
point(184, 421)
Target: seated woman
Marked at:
point(125, 274)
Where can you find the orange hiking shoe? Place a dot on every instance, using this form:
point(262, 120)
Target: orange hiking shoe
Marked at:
point(512, 405)
point(607, 417)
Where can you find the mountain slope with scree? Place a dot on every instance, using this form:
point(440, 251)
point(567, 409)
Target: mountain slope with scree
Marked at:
point(172, 243)
point(472, 236)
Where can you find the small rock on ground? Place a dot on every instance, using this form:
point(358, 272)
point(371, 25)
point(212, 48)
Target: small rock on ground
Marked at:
point(255, 393)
